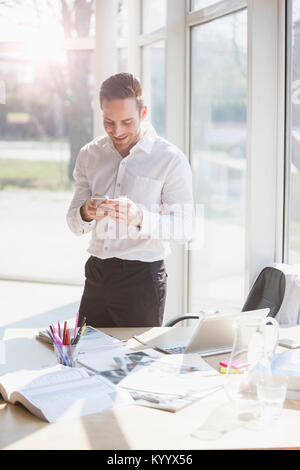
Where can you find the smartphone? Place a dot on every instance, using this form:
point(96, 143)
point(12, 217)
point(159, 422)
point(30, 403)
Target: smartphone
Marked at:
point(100, 199)
point(289, 343)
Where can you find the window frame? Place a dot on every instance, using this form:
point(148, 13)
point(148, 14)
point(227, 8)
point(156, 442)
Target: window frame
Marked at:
point(288, 127)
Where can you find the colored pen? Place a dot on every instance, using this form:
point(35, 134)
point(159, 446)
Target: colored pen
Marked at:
point(79, 334)
point(50, 336)
point(58, 340)
point(64, 333)
point(76, 324)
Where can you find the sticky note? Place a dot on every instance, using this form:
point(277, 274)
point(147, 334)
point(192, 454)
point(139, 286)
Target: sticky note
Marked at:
point(237, 364)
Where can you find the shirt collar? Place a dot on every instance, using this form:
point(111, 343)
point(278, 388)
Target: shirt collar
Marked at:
point(145, 143)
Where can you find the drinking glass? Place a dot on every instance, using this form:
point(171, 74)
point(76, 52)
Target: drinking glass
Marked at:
point(271, 393)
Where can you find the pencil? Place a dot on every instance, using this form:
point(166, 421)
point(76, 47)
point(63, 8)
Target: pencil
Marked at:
point(76, 323)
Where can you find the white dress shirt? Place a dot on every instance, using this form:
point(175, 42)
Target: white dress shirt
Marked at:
point(155, 175)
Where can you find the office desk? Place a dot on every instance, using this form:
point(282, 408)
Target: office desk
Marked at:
point(132, 426)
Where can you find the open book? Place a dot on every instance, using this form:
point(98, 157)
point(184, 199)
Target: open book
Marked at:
point(60, 392)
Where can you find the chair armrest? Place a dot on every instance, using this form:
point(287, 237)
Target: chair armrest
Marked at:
point(179, 318)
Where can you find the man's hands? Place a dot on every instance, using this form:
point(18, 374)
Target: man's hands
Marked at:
point(121, 210)
point(90, 211)
point(124, 210)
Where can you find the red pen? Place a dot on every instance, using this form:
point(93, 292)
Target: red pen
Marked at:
point(64, 333)
point(59, 331)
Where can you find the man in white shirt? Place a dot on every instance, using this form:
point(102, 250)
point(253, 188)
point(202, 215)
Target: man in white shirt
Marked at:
point(150, 203)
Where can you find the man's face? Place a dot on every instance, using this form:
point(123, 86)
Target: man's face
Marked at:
point(122, 122)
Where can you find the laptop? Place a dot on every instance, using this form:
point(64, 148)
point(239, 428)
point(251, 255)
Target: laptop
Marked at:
point(214, 334)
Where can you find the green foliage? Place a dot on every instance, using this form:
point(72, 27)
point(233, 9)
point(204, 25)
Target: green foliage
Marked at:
point(34, 174)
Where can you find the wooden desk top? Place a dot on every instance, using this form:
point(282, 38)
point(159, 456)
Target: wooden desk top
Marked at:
point(132, 426)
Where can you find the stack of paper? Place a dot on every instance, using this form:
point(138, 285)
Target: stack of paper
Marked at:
point(91, 339)
point(168, 382)
point(288, 363)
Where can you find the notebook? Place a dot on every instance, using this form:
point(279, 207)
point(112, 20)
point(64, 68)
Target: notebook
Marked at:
point(60, 392)
point(91, 339)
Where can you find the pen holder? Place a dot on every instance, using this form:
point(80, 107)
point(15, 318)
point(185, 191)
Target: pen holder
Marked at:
point(66, 354)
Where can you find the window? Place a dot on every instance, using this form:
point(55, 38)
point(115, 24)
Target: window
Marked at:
point(122, 36)
point(197, 4)
point(153, 74)
point(46, 22)
point(153, 15)
point(293, 135)
point(218, 160)
point(46, 119)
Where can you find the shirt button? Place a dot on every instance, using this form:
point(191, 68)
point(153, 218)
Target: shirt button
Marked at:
point(119, 184)
point(105, 248)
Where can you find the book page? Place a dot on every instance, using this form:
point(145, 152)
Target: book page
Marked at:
point(82, 397)
point(30, 379)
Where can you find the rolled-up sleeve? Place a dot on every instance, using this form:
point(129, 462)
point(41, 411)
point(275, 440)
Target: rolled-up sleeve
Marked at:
point(82, 192)
point(174, 219)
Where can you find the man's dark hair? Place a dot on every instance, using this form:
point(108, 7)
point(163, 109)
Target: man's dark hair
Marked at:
point(122, 86)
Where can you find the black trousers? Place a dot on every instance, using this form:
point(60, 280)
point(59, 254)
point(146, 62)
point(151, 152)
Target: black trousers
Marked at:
point(123, 293)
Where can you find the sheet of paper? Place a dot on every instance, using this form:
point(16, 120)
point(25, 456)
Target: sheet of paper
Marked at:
point(190, 360)
point(99, 361)
point(162, 376)
point(167, 402)
point(104, 360)
point(93, 339)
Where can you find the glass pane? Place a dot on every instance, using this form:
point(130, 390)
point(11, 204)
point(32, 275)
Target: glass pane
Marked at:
point(154, 84)
point(294, 138)
point(122, 59)
point(218, 160)
point(153, 15)
point(197, 4)
point(47, 118)
point(43, 21)
point(122, 35)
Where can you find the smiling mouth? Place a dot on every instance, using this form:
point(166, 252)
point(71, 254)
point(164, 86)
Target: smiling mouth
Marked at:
point(117, 139)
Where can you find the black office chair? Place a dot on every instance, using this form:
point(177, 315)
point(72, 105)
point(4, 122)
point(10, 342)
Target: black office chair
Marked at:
point(267, 292)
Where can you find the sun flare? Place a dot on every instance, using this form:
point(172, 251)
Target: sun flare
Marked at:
point(45, 45)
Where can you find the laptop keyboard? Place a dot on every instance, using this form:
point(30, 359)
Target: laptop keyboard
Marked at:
point(175, 349)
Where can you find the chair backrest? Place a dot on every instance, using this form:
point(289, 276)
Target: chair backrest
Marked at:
point(289, 312)
point(267, 291)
